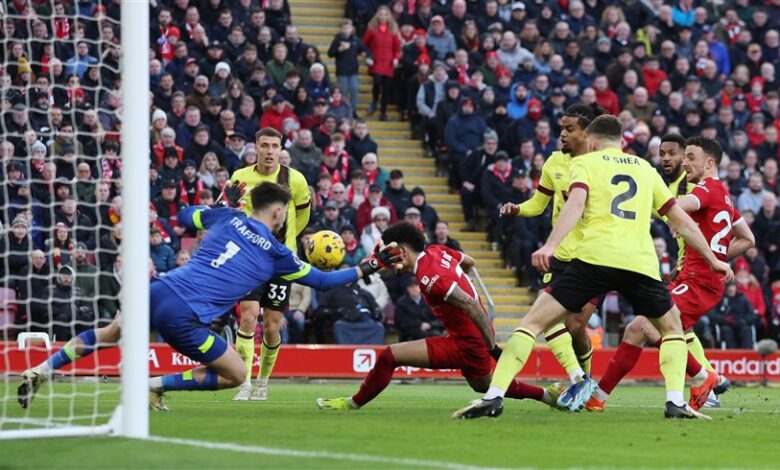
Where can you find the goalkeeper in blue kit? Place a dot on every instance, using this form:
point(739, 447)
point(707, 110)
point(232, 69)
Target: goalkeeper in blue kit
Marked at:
point(238, 254)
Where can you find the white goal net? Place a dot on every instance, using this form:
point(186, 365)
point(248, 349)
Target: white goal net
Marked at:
point(74, 144)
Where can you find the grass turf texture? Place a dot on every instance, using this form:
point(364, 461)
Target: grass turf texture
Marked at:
point(412, 421)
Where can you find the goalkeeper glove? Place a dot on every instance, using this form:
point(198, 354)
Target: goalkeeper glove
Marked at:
point(496, 352)
point(231, 195)
point(387, 257)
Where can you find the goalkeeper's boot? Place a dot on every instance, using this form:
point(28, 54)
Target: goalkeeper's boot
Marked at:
point(682, 412)
point(340, 404)
point(712, 401)
point(700, 394)
point(481, 409)
point(260, 391)
point(244, 391)
point(32, 380)
point(156, 402)
point(575, 396)
point(723, 385)
point(595, 405)
point(554, 391)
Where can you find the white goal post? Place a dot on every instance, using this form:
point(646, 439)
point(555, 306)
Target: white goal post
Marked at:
point(130, 418)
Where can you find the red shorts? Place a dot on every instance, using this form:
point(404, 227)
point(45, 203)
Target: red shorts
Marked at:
point(446, 353)
point(695, 296)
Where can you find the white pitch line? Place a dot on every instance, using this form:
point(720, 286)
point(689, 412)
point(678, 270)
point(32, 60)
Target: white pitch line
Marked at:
point(318, 454)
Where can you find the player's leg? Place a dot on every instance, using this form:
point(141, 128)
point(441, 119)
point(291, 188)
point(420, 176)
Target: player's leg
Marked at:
point(245, 339)
point(638, 332)
point(82, 345)
point(576, 325)
point(558, 337)
point(545, 311)
point(223, 367)
point(411, 353)
point(274, 303)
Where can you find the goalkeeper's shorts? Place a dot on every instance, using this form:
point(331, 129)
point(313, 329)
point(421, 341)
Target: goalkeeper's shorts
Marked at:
point(180, 327)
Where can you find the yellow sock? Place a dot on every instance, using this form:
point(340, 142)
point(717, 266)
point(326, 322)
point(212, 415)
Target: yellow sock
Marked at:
point(559, 340)
point(245, 347)
point(585, 360)
point(268, 356)
point(697, 350)
point(673, 358)
point(513, 359)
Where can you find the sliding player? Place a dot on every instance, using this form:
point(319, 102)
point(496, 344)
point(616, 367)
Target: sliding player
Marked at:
point(696, 289)
point(470, 342)
point(238, 254)
point(274, 296)
point(614, 194)
point(554, 183)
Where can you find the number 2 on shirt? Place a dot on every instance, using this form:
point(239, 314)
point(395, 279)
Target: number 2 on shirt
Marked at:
point(623, 197)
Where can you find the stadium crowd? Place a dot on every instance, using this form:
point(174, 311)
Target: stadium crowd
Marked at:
point(483, 82)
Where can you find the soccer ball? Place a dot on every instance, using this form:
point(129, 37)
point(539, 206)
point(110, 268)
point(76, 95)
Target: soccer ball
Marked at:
point(325, 250)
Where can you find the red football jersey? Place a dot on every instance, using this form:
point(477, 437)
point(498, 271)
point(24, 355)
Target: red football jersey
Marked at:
point(438, 272)
point(715, 216)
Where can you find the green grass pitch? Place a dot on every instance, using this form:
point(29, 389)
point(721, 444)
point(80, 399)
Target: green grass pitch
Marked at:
point(411, 422)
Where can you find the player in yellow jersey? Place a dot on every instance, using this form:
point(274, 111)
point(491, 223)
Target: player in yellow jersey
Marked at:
point(274, 296)
point(611, 199)
point(554, 184)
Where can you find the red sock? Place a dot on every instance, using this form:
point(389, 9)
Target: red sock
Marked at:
point(520, 390)
point(622, 362)
point(376, 380)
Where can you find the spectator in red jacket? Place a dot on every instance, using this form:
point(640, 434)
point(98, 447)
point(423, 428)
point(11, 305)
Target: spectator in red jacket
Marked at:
point(605, 97)
point(381, 39)
point(275, 115)
point(374, 199)
point(750, 288)
point(653, 75)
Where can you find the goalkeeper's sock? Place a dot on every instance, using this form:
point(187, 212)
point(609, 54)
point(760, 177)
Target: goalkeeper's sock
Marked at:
point(78, 347)
point(697, 350)
point(245, 342)
point(377, 379)
point(268, 355)
point(585, 360)
point(672, 361)
point(519, 390)
point(621, 363)
point(559, 340)
point(512, 361)
point(693, 366)
point(186, 381)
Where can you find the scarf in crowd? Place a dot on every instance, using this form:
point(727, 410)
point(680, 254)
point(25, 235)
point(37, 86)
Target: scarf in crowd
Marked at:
point(183, 194)
point(107, 167)
point(371, 176)
point(351, 194)
point(159, 226)
point(502, 175)
point(351, 246)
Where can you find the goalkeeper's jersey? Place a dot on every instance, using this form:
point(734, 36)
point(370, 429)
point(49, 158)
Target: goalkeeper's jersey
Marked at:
point(237, 254)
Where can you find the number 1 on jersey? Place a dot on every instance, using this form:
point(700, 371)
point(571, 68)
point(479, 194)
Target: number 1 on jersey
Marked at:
point(231, 250)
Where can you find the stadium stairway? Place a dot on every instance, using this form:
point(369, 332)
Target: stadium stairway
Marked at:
point(317, 22)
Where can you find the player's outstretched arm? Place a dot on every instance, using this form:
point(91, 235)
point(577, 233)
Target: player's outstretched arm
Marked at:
point(570, 214)
point(682, 223)
point(530, 208)
point(201, 217)
point(385, 257)
point(743, 239)
point(462, 301)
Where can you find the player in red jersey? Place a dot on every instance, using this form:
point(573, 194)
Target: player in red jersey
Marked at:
point(470, 345)
point(696, 289)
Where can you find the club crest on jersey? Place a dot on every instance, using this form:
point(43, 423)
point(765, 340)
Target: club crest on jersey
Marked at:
point(429, 286)
point(425, 280)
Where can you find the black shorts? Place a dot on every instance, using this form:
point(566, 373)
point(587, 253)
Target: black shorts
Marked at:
point(583, 281)
point(274, 294)
point(557, 267)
